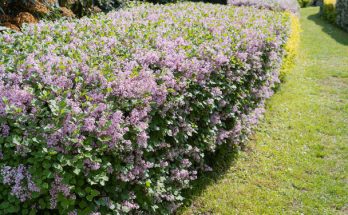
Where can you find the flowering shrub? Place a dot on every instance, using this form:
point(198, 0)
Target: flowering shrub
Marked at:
point(114, 114)
point(278, 5)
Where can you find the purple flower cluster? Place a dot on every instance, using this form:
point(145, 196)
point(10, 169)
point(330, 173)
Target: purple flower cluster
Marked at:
point(115, 114)
point(59, 187)
point(20, 181)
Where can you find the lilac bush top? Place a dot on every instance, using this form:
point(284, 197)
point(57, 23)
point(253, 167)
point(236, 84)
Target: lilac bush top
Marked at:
point(282, 5)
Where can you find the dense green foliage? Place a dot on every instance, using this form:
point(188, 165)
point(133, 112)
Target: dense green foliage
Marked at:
point(342, 14)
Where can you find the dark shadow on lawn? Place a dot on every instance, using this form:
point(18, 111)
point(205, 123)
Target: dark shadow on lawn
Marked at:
point(220, 161)
point(335, 32)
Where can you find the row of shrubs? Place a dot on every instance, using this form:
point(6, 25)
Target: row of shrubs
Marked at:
point(53, 9)
point(116, 113)
point(336, 11)
point(84, 7)
point(14, 13)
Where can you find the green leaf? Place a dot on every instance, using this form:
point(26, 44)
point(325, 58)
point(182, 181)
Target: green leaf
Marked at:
point(89, 198)
point(46, 165)
point(95, 192)
point(77, 171)
point(83, 204)
point(45, 185)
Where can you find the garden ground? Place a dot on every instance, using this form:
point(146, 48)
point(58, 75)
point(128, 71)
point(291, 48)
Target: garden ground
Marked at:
point(297, 160)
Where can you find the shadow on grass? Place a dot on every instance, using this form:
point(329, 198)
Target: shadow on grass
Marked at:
point(220, 161)
point(335, 32)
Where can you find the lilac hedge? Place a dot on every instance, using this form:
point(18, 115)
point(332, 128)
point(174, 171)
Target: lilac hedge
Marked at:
point(114, 114)
point(278, 5)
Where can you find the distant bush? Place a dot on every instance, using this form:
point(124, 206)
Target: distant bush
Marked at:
point(336, 11)
point(86, 7)
point(342, 14)
point(329, 10)
point(115, 113)
point(44, 8)
point(305, 3)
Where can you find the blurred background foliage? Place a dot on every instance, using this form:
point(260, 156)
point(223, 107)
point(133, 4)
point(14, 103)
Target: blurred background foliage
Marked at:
point(13, 13)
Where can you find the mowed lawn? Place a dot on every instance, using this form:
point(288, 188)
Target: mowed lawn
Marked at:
point(297, 161)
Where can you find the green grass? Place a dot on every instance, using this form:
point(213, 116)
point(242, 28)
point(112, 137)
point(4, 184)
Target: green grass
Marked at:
point(297, 161)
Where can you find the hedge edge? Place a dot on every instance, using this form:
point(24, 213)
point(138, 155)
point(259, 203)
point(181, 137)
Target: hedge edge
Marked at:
point(291, 46)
